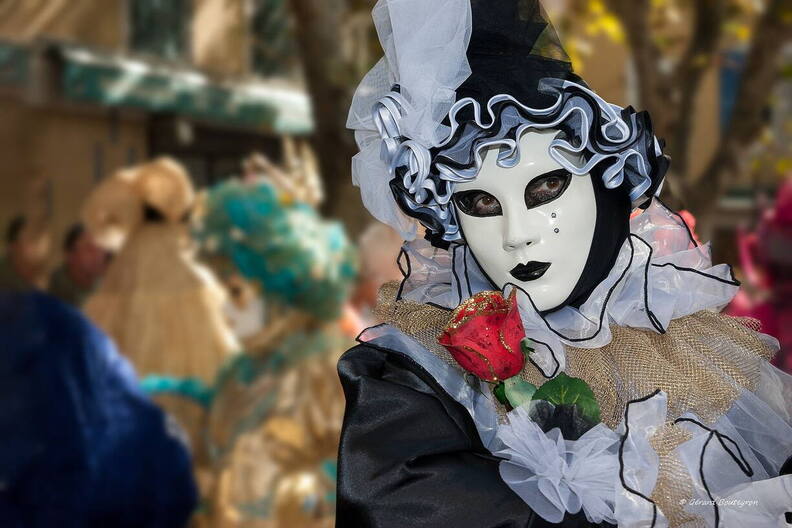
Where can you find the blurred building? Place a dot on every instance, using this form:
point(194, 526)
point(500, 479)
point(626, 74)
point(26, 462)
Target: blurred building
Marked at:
point(87, 86)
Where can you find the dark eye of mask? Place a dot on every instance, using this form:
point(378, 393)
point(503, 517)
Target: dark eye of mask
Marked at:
point(546, 188)
point(541, 190)
point(477, 203)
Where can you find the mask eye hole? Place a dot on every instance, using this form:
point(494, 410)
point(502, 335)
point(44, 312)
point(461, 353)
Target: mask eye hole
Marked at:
point(477, 203)
point(546, 188)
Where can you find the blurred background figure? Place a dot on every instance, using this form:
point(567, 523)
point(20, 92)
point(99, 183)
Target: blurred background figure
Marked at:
point(244, 309)
point(299, 177)
point(24, 264)
point(162, 308)
point(84, 263)
point(80, 445)
point(15, 273)
point(276, 411)
point(379, 247)
point(766, 262)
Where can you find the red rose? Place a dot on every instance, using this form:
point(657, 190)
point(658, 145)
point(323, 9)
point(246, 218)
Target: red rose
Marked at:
point(484, 336)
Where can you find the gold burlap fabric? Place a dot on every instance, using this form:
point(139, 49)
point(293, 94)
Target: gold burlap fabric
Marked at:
point(162, 308)
point(702, 363)
point(279, 458)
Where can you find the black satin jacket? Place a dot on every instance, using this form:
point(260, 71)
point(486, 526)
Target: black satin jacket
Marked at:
point(410, 455)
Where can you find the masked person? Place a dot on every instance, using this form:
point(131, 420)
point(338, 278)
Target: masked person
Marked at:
point(162, 307)
point(156, 301)
point(546, 359)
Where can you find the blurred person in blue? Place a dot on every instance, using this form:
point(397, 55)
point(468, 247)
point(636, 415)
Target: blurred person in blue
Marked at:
point(80, 445)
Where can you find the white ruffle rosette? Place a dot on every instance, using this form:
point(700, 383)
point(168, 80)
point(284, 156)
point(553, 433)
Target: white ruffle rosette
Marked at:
point(425, 47)
point(554, 475)
point(605, 473)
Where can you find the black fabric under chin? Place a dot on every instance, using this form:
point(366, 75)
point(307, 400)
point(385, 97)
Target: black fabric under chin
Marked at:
point(611, 230)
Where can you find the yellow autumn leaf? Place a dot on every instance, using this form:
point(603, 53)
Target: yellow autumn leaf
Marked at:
point(783, 165)
point(612, 28)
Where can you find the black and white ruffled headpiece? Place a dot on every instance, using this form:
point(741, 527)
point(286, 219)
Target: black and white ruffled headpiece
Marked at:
point(462, 76)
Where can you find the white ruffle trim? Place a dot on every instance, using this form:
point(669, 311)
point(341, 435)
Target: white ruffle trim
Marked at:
point(425, 47)
point(399, 108)
point(660, 274)
point(553, 475)
point(606, 474)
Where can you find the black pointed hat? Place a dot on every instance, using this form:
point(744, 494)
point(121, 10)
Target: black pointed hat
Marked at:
point(513, 46)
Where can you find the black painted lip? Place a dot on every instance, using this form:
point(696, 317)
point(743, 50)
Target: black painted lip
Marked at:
point(529, 271)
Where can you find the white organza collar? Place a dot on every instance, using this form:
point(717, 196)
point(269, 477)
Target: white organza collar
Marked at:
point(659, 275)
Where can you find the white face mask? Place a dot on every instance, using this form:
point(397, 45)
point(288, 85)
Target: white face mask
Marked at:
point(531, 225)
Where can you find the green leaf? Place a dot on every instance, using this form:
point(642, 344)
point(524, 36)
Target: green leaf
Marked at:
point(527, 346)
point(499, 391)
point(518, 391)
point(564, 390)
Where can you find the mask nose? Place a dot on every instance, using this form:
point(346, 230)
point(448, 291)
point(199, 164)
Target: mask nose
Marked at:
point(518, 233)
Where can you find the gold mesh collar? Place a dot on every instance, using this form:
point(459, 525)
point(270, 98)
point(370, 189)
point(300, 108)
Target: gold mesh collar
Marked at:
point(702, 362)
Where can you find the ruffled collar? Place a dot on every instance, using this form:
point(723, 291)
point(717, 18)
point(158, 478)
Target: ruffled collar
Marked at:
point(660, 274)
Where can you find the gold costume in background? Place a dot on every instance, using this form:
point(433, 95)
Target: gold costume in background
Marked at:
point(275, 433)
point(159, 305)
point(275, 417)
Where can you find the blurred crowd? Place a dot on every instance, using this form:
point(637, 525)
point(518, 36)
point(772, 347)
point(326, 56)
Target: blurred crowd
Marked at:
point(222, 314)
point(231, 305)
point(765, 254)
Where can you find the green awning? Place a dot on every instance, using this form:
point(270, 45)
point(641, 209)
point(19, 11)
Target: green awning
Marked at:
point(125, 82)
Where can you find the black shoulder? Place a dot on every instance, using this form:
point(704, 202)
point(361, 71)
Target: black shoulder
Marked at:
point(375, 362)
point(410, 454)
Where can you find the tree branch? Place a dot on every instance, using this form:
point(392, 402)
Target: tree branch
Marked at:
point(635, 19)
point(329, 77)
point(686, 80)
point(773, 30)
